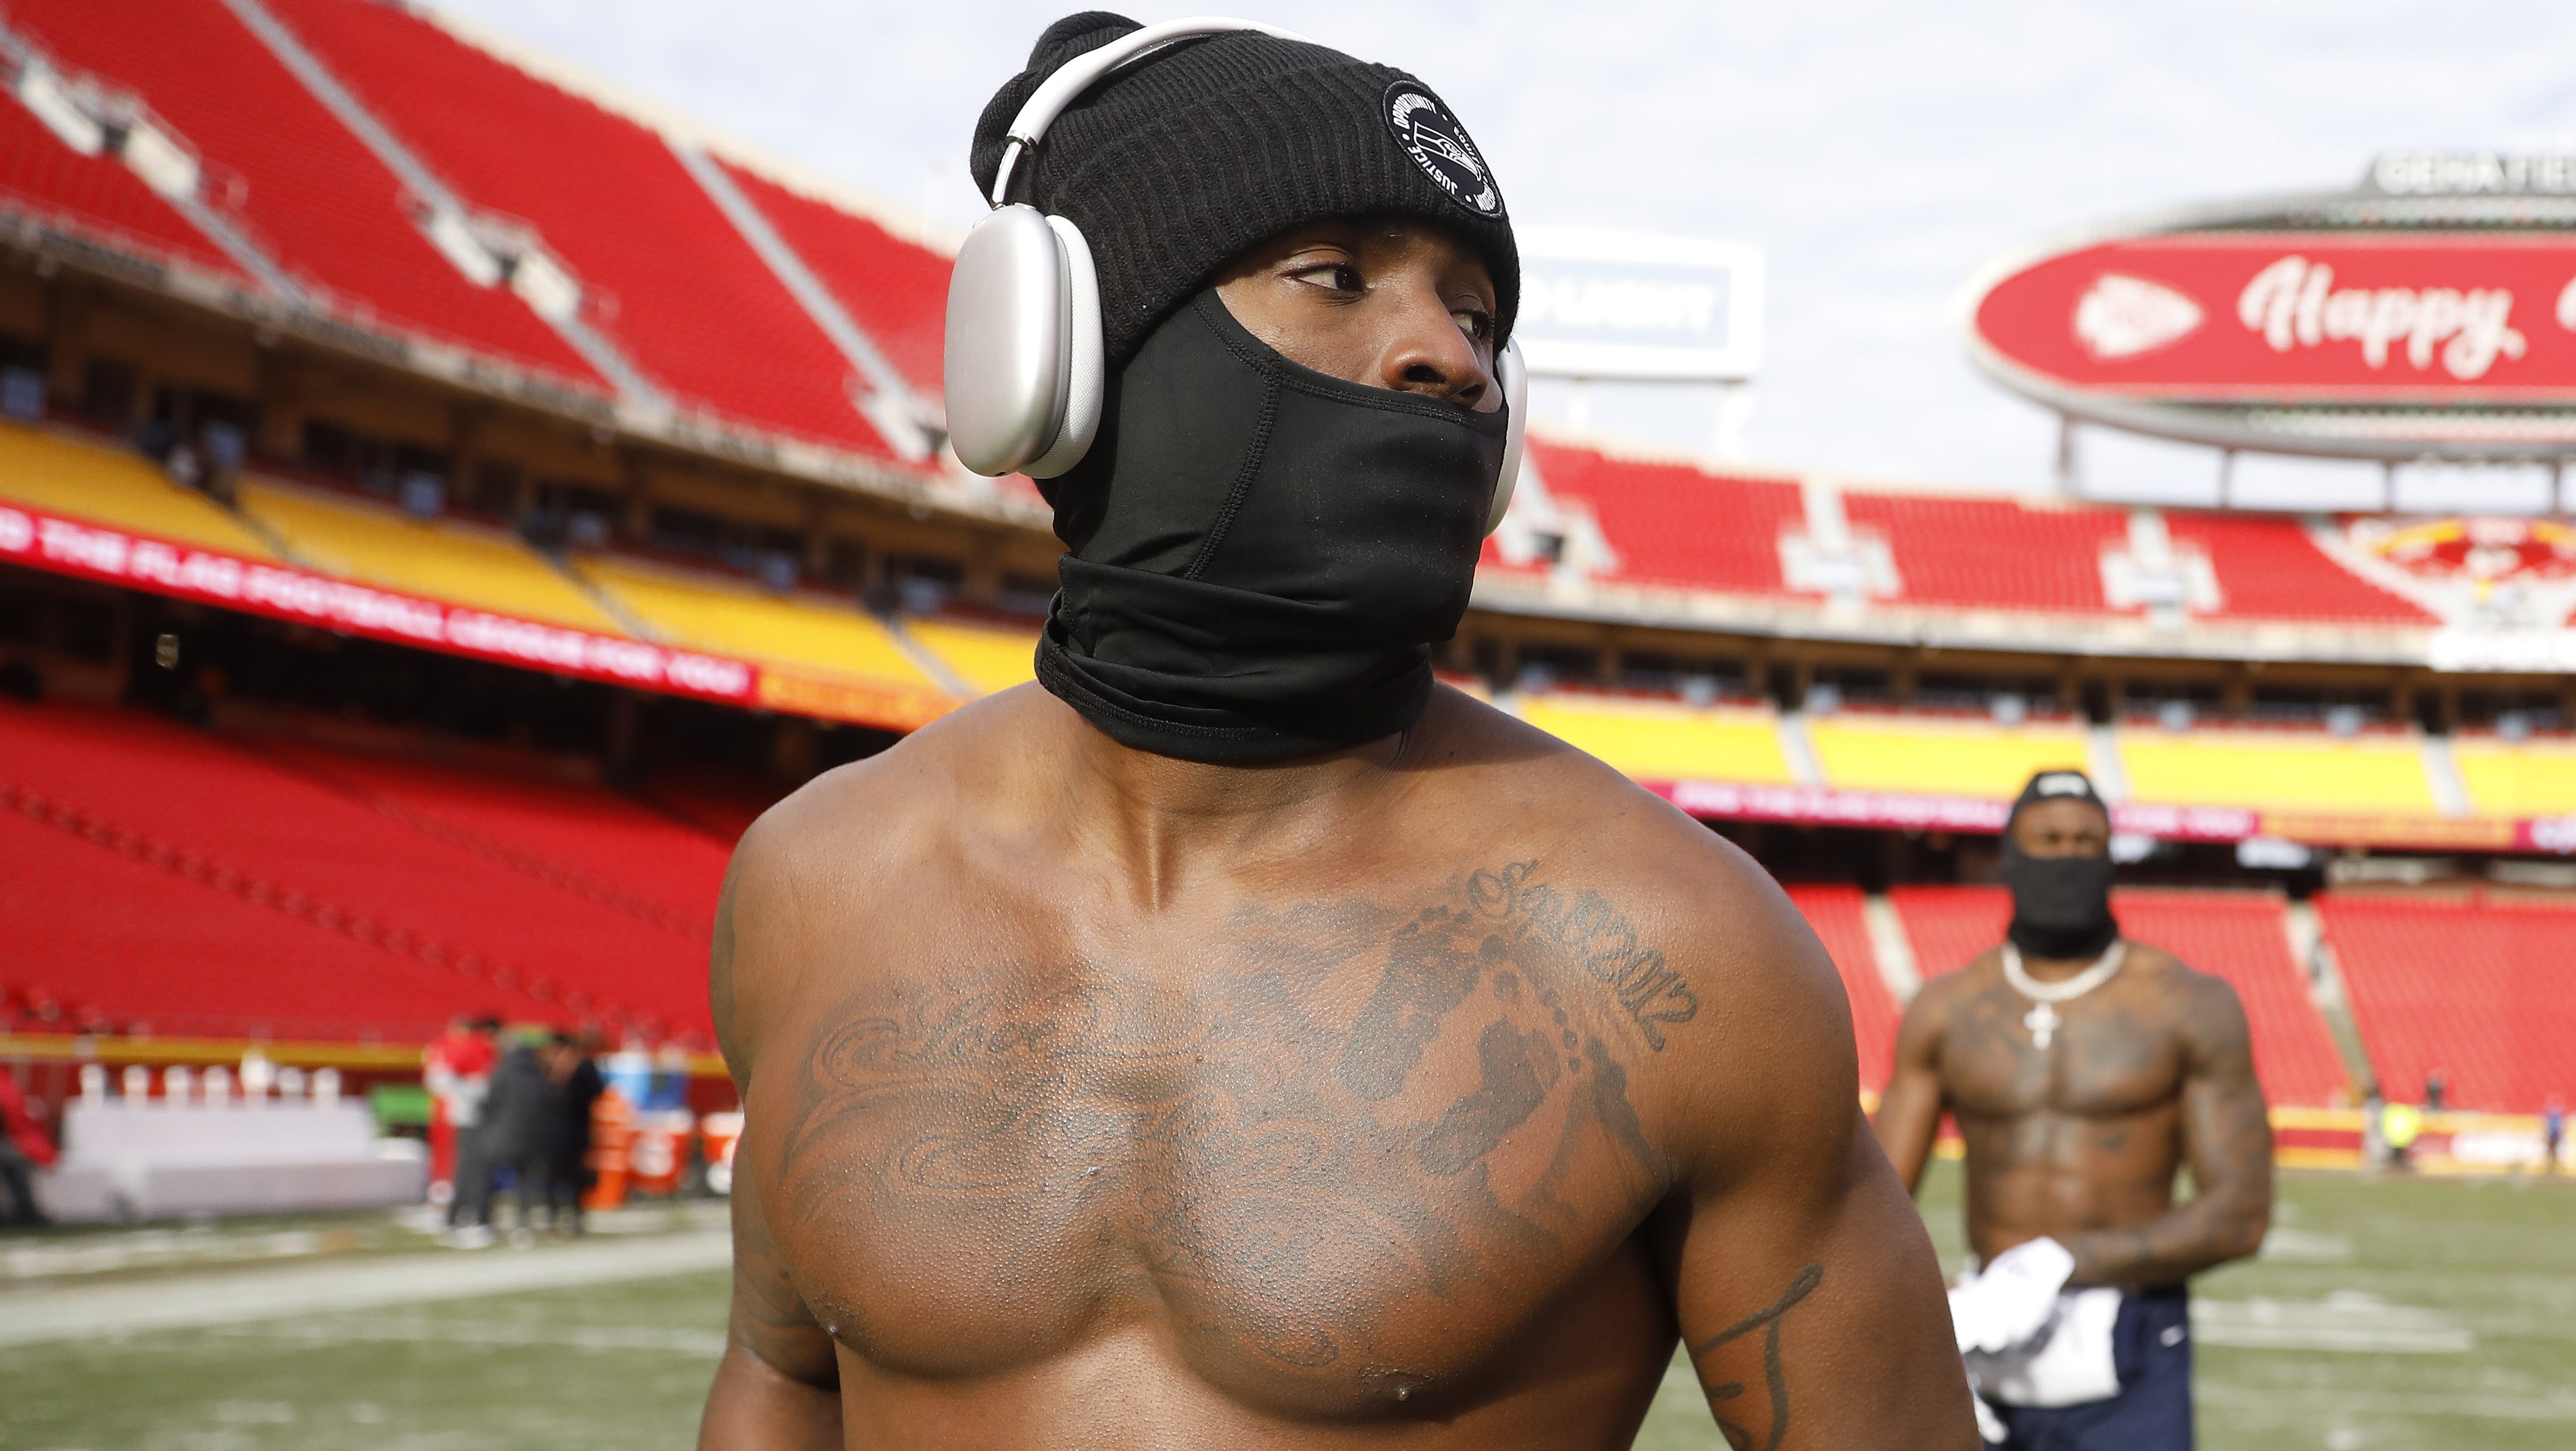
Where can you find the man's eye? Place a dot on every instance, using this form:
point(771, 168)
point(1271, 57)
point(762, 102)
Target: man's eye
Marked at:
point(1339, 276)
point(1475, 323)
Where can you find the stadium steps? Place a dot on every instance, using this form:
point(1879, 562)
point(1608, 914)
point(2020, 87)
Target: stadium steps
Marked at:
point(607, 603)
point(700, 612)
point(2472, 984)
point(1839, 916)
point(1892, 948)
point(2442, 775)
point(988, 659)
point(1798, 748)
point(96, 193)
point(329, 211)
point(440, 559)
point(894, 289)
point(1675, 524)
point(2516, 778)
point(2271, 568)
point(2310, 949)
point(2102, 759)
point(442, 211)
point(927, 660)
point(694, 306)
point(1659, 740)
point(116, 487)
point(886, 397)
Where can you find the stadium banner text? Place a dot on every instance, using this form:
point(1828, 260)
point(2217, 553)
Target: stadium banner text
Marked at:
point(86, 550)
point(2386, 318)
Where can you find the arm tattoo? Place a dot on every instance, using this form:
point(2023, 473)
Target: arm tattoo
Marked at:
point(1774, 1379)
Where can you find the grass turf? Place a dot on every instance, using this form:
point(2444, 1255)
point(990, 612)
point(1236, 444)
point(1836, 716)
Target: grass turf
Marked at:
point(2398, 1313)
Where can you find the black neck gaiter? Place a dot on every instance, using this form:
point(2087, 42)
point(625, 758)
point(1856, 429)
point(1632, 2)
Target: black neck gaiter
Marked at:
point(2061, 904)
point(1260, 554)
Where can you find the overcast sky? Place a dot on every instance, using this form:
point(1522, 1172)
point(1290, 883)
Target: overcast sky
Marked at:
point(1879, 151)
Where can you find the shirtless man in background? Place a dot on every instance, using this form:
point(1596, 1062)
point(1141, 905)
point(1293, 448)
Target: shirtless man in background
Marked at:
point(1238, 1040)
point(2082, 1090)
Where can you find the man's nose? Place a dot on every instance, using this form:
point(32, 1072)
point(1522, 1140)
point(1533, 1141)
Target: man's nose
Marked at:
point(1427, 353)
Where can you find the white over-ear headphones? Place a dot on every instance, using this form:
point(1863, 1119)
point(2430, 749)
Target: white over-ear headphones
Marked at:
point(1024, 372)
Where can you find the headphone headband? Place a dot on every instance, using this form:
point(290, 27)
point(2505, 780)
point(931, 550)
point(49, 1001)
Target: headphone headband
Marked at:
point(1079, 74)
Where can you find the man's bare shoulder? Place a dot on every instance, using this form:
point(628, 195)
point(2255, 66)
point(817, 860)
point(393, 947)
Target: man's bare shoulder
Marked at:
point(896, 804)
point(2203, 1007)
point(1517, 782)
point(1755, 1016)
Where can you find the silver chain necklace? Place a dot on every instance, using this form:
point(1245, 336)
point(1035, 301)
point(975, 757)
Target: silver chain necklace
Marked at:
point(2043, 1019)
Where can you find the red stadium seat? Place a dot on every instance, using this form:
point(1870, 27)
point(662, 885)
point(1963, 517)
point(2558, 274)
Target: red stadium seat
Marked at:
point(1835, 913)
point(1672, 524)
point(1993, 552)
point(2473, 987)
point(2240, 936)
point(1949, 926)
point(328, 210)
point(97, 195)
point(683, 292)
point(2268, 568)
point(463, 890)
point(896, 291)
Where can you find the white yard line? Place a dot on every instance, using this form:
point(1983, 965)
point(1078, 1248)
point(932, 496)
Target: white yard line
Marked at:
point(2317, 1405)
point(233, 1297)
point(421, 1328)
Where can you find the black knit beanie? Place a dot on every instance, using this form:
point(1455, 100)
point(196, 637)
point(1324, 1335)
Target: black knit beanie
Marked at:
point(1176, 163)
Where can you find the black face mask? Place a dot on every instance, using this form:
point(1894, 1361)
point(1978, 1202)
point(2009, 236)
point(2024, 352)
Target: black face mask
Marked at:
point(2061, 904)
point(1261, 554)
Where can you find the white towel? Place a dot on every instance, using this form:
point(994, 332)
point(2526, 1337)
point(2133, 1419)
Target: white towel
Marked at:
point(2068, 1363)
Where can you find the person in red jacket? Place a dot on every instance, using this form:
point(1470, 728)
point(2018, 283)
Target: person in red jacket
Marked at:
point(22, 1143)
point(456, 1069)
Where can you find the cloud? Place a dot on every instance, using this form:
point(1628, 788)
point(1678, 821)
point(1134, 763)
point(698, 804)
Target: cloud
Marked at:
point(1879, 151)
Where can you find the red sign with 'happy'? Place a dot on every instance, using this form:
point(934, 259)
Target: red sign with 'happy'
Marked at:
point(2377, 318)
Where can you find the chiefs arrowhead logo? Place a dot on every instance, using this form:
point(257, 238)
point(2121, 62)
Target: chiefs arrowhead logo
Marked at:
point(2121, 317)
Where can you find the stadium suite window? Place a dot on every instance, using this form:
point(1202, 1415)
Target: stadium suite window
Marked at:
point(495, 491)
point(23, 352)
point(1853, 684)
point(685, 531)
point(109, 387)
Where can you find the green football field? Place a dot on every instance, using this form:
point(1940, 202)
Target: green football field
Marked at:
point(2403, 1314)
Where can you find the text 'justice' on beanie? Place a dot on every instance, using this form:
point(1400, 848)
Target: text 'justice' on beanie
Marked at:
point(1177, 162)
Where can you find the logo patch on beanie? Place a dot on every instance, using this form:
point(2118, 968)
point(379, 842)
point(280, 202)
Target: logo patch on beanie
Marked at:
point(1440, 146)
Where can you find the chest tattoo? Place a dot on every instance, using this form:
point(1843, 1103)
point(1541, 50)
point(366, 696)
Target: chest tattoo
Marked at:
point(1261, 1150)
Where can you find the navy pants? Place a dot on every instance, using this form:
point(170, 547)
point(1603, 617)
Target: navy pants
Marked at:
point(2151, 1349)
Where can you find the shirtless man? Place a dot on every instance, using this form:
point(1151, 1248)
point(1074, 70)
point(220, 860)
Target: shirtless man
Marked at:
point(2082, 1089)
point(1240, 1041)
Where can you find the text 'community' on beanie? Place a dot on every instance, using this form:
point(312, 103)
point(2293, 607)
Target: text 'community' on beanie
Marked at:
point(1176, 163)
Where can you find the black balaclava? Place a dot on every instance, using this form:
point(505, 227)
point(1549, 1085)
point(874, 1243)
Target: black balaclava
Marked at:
point(1261, 554)
point(2061, 905)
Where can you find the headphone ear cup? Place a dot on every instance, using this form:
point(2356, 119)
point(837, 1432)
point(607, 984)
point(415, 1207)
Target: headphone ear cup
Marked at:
point(1085, 370)
point(1008, 317)
point(1513, 375)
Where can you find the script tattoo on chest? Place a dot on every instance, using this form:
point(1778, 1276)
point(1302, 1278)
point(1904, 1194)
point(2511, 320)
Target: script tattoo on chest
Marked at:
point(1283, 1168)
point(1591, 935)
